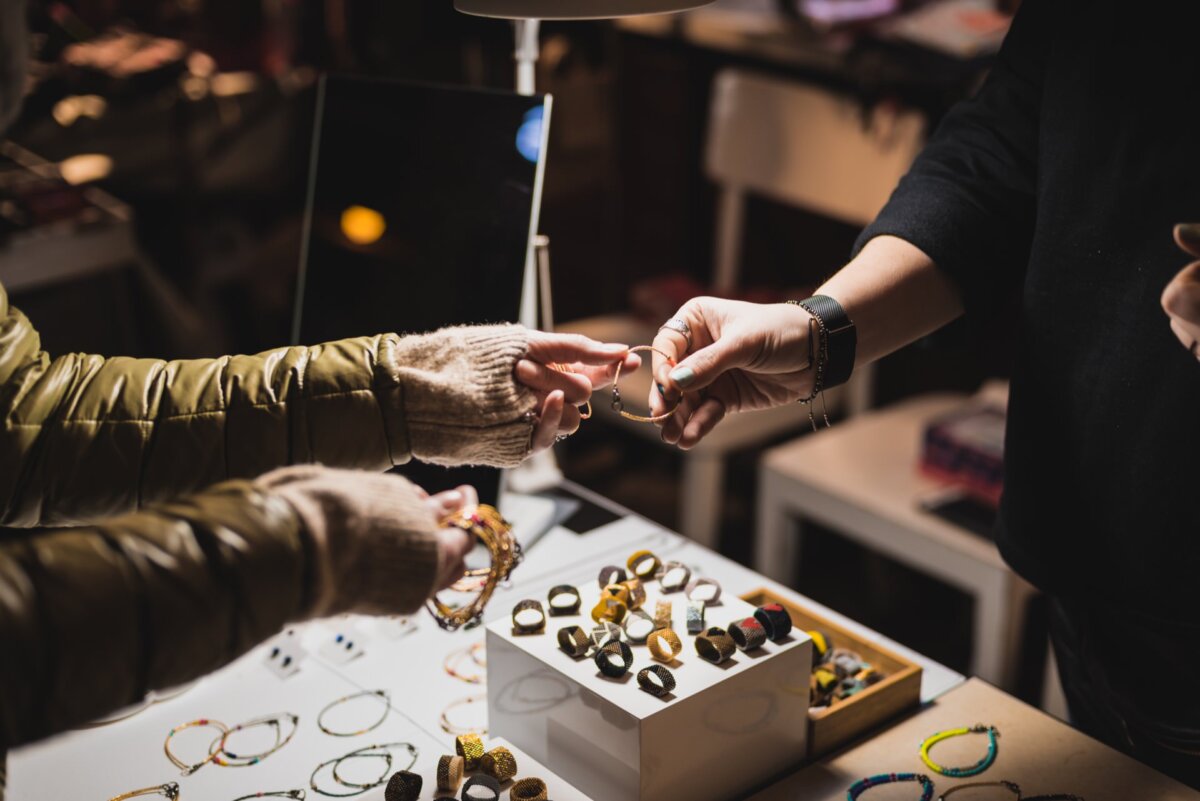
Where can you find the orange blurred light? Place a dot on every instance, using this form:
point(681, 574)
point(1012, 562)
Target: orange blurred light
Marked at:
point(362, 226)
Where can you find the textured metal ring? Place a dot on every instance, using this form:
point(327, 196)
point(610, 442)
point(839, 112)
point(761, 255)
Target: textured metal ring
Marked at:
point(484, 782)
point(528, 789)
point(776, 621)
point(695, 617)
point(403, 786)
point(666, 681)
point(698, 583)
point(607, 659)
point(637, 593)
point(715, 645)
point(748, 634)
point(670, 579)
point(499, 763)
point(642, 631)
point(470, 748)
point(679, 327)
point(611, 574)
point(450, 772)
point(643, 565)
point(555, 598)
point(529, 605)
point(664, 645)
point(574, 641)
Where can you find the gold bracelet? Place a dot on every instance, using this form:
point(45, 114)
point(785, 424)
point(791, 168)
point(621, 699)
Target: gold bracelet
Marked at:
point(470, 747)
point(486, 524)
point(168, 790)
point(450, 728)
point(664, 645)
point(619, 406)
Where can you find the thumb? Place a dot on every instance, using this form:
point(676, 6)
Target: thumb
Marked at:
point(708, 364)
point(1187, 236)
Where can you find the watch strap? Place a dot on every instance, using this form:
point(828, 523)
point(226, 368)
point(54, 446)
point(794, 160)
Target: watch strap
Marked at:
point(841, 338)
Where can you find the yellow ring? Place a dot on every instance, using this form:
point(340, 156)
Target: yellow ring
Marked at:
point(609, 609)
point(655, 642)
point(499, 763)
point(470, 748)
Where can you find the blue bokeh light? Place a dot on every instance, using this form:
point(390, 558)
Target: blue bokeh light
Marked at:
point(529, 135)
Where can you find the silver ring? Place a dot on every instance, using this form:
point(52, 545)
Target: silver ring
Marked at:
point(679, 327)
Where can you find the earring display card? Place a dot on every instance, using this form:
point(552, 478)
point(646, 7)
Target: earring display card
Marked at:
point(284, 654)
point(342, 644)
point(614, 741)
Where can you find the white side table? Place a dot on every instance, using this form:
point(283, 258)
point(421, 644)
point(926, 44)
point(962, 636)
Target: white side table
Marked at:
point(860, 478)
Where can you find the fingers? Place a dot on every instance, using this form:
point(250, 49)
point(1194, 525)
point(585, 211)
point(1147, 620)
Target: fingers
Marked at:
point(569, 423)
point(601, 377)
point(702, 421)
point(570, 348)
point(453, 546)
point(1187, 236)
point(706, 365)
point(675, 345)
point(1181, 298)
point(546, 430)
point(1188, 335)
point(543, 379)
point(672, 427)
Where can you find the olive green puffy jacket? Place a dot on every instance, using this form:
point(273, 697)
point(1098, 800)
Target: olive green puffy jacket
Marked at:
point(190, 575)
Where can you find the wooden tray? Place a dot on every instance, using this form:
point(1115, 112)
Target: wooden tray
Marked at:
point(837, 725)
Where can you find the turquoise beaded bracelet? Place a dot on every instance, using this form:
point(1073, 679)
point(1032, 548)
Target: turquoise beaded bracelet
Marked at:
point(862, 785)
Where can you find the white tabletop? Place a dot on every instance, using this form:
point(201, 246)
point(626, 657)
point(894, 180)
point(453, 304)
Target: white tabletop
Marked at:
point(99, 763)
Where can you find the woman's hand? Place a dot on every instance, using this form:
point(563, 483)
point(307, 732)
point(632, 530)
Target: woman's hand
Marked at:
point(593, 365)
point(743, 356)
point(453, 543)
point(1181, 298)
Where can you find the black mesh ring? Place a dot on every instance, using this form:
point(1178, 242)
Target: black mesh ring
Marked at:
point(608, 666)
point(555, 593)
point(481, 781)
point(715, 645)
point(748, 634)
point(403, 786)
point(665, 684)
point(574, 641)
point(775, 620)
point(532, 628)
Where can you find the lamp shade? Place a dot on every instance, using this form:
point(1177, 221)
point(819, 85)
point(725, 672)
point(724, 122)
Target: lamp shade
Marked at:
point(572, 9)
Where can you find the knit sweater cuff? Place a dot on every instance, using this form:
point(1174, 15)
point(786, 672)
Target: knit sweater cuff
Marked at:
point(457, 400)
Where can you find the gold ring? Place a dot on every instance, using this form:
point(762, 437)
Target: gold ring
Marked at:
point(449, 772)
point(643, 565)
point(529, 789)
point(636, 591)
point(499, 763)
point(619, 405)
point(610, 609)
point(470, 748)
point(664, 645)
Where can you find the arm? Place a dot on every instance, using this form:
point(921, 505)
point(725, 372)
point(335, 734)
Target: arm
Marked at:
point(958, 226)
point(92, 618)
point(84, 436)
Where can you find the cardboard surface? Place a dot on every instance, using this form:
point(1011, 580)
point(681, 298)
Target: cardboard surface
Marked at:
point(1039, 753)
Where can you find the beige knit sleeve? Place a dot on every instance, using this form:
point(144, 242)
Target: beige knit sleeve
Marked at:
point(456, 400)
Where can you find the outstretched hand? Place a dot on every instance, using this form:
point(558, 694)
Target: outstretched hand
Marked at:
point(1181, 298)
point(591, 366)
point(742, 356)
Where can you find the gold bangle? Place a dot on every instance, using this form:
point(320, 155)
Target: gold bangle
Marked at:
point(585, 408)
point(664, 645)
point(450, 728)
point(470, 748)
point(619, 406)
point(643, 565)
point(168, 790)
point(529, 789)
point(486, 525)
point(499, 763)
point(450, 771)
point(609, 609)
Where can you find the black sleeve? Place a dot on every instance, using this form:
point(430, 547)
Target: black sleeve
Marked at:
point(969, 199)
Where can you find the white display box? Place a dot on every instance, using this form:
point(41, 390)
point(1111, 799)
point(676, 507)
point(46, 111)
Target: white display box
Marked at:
point(725, 730)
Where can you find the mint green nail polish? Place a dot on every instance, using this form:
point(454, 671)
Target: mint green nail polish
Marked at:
point(683, 376)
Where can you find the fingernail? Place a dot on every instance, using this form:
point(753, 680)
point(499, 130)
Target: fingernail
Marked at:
point(683, 376)
point(1189, 232)
point(662, 393)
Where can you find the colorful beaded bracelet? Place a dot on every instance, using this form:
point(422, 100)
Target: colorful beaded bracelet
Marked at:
point(961, 773)
point(862, 785)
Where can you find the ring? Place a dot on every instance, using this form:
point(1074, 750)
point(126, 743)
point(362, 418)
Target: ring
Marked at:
point(574, 641)
point(610, 609)
point(664, 685)
point(470, 748)
point(563, 600)
point(483, 782)
point(643, 565)
point(605, 633)
point(499, 763)
point(529, 789)
point(710, 597)
point(528, 617)
point(638, 626)
point(662, 614)
point(715, 645)
point(748, 634)
point(611, 574)
point(403, 786)
point(675, 576)
point(775, 620)
point(614, 659)
point(449, 772)
point(695, 617)
point(637, 593)
point(679, 327)
point(664, 645)
point(618, 405)
point(616, 592)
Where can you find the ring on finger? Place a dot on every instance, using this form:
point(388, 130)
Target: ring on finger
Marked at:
point(679, 327)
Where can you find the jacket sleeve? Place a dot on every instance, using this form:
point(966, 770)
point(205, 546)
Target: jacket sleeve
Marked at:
point(91, 618)
point(85, 437)
point(968, 201)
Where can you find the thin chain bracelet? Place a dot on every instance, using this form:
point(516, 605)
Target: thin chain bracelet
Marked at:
point(450, 728)
point(862, 785)
point(1012, 787)
point(359, 753)
point(387, 706)
point(222, 755)
point(961, 773)
point(188, 770)
point(169, 790)
point(299, 795)
point(618, 405)
point(817, 361)
point(455, 658)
